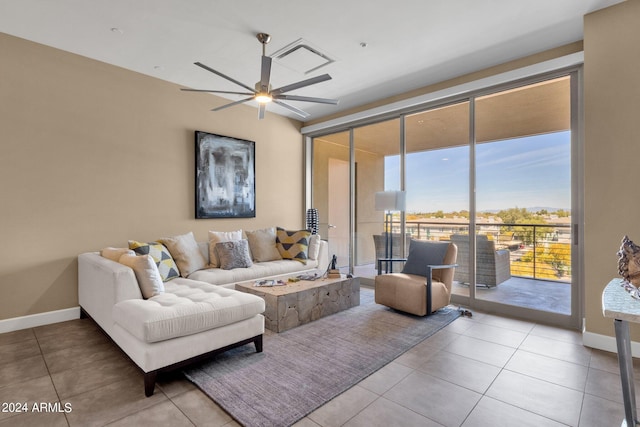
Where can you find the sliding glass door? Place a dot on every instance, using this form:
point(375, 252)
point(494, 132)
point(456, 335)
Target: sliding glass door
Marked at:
point(437, 176)
point(492, 172)
point(524, 197)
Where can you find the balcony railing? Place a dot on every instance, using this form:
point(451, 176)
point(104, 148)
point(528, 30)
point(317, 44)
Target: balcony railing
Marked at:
point(537, 251)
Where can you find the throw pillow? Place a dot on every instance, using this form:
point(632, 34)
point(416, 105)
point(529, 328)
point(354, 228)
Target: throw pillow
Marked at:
point(293, 244)
point(220, 236)
point(423, 253)
point(160, 254)
point(262, 244)
point(314, 246)
point(147, 274)
point(114, 254)
point(185, 252)
point(234, 254)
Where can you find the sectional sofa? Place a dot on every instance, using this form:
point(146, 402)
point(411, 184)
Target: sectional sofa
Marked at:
point(172, 308)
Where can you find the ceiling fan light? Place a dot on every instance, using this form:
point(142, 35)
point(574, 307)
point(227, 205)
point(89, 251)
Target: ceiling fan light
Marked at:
point(263, 98)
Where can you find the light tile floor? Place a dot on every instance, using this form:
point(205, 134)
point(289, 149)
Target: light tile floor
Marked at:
point(481, 371)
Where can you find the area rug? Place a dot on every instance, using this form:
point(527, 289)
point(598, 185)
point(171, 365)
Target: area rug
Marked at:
point(303, 368)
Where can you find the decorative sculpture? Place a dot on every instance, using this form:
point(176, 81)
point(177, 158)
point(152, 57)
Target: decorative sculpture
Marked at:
point(629, 261)
point(332, 271)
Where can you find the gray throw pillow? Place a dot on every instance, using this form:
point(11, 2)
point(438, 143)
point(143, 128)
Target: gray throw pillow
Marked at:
point(423, 253)
point(234, 254)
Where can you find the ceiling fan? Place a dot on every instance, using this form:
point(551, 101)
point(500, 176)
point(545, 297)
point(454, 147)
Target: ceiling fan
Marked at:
point(263, 93)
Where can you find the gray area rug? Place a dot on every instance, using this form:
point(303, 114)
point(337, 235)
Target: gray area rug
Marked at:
point(303, 368)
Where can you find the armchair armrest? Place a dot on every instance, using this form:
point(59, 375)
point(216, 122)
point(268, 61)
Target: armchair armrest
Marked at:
point(430, 269)
point(441, 266)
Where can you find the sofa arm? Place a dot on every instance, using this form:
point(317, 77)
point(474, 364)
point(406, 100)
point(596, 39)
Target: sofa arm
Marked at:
point(101, 284)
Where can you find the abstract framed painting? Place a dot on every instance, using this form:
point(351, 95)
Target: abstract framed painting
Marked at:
point(225, 177)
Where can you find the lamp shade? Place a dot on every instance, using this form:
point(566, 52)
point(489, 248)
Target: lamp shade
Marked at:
point(390, 200)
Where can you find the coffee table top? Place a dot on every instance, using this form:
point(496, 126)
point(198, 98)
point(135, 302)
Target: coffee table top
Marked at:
point(290, 287)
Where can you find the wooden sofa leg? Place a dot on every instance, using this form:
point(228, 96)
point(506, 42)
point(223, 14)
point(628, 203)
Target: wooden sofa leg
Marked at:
point(258, 342)
point(150, 382)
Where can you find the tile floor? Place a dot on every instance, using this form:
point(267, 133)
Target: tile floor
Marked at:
point(481, 371)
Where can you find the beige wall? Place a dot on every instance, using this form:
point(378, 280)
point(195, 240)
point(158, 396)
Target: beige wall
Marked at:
point(89, 149)
point(612, 148)
point(93, 155)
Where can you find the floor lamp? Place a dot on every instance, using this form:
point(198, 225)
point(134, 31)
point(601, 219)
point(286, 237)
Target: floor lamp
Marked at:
point(389, 201)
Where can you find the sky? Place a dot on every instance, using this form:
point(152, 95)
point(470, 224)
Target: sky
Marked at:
point(527, 172)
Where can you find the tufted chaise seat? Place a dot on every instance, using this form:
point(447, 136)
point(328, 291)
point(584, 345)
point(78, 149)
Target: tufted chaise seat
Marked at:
point(187, 307)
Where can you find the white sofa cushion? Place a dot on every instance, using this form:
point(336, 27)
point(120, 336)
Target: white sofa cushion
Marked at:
point(187, 307)
point(258, 270)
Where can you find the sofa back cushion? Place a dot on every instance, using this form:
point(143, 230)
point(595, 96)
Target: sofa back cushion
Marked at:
point(185, 252)
point(262, 244)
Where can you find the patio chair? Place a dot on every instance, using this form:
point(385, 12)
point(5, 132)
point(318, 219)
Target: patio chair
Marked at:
point(379, 242)
point(424, 285)
point(492, 266)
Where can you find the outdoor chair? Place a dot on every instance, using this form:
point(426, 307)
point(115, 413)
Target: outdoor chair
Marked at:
point(424, 285)
point(492, 266)
point(396, 253)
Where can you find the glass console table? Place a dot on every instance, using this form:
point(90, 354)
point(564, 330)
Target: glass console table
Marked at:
point(618, 304)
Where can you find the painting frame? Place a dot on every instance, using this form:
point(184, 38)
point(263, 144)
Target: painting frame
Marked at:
point(225, 185)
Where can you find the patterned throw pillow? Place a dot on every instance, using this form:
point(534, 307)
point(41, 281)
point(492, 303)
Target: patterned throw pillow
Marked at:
point(233, 254)
point(217, 237)
point(293, 244)
point(166, 265)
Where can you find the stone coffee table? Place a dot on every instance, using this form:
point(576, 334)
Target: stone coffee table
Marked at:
point(297, 303)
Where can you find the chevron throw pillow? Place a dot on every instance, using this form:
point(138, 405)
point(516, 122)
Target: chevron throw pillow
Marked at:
point(293, 244)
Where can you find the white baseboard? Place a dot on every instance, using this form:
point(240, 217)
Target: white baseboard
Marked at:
point(607, 343)
point(40, 319)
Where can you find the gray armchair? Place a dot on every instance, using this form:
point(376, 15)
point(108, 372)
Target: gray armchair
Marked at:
point(492, 266)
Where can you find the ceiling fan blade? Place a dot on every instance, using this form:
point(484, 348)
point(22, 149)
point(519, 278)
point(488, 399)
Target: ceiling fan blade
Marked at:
point(298, 111)
point(307, 99)
point(231, 104)
point(215, 91)
point(261, 108)
point(300, 84)
point(201, 65)
point(265, 74)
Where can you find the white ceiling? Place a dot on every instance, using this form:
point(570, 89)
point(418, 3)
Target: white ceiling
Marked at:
point(409, 43)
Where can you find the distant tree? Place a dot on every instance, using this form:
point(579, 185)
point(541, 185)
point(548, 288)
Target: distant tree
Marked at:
point(514, 215)
point(525, 232)
point(439, 214)
point(542, 212)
